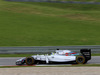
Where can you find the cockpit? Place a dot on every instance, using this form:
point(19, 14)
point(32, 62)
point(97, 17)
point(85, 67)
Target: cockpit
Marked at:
point(64, 53)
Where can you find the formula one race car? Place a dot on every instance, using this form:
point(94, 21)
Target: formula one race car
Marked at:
point(60, 56)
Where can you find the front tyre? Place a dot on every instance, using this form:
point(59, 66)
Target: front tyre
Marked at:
point(30, 61)
point(80, 60)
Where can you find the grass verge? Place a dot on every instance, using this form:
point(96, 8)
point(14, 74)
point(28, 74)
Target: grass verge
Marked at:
point(96, 54)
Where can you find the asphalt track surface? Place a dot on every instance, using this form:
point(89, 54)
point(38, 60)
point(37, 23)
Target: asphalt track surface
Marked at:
point(10, 61)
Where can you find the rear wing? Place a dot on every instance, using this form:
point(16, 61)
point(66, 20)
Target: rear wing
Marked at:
point(86, 53)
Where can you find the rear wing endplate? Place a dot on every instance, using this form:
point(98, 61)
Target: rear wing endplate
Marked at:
point(86, 53)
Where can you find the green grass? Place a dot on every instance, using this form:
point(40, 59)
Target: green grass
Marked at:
point(48, 24)
point(98, 54)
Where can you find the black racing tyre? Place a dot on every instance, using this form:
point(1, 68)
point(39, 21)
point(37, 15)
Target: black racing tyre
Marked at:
point(30, 61)
point(80, 60)
point(85, 62)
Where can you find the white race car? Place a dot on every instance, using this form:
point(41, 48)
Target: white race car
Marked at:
point(60, 56)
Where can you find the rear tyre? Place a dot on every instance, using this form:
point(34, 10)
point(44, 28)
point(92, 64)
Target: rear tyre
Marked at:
point(80, 60)
point(85, 62)
point(30, 61)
